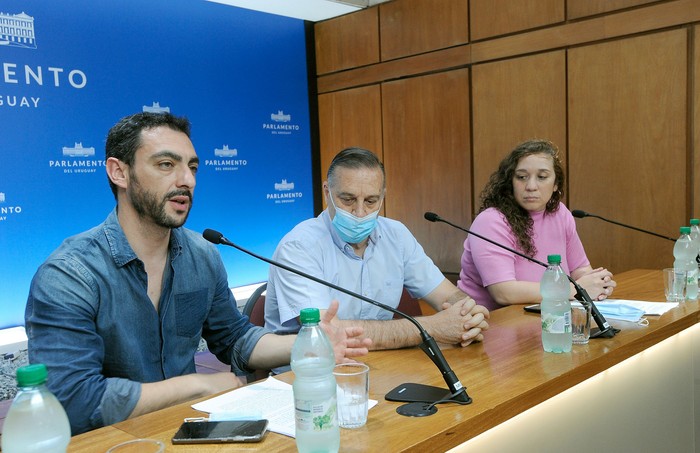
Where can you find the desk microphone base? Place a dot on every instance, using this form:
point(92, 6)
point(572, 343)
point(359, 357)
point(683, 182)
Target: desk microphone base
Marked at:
point(417, 393)
point(422, 399)
point(607, 333)
point(416, 409)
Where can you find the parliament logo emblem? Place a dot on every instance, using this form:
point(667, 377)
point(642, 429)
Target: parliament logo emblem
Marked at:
point(17, 30)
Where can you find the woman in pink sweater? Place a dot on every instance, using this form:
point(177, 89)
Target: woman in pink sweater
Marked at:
point(521, 208)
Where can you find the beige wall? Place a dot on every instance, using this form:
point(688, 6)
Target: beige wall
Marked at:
point(442, 89)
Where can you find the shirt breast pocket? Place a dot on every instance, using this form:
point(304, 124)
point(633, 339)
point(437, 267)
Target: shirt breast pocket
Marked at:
point(388, 294)
point(190, 311)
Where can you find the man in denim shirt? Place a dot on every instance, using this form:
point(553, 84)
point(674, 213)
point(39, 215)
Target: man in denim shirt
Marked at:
point(116, 313)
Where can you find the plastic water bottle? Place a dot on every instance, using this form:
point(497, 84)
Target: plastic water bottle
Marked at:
point(555, 308)
point(36, 421)
point(695, 236)
point(315, 407)
point(684, 252)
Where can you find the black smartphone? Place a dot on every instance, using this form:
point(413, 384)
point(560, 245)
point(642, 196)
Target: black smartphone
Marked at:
point(221, 432)
point(532, 308)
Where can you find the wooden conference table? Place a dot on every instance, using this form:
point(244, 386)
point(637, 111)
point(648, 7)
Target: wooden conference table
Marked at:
point(505, 375)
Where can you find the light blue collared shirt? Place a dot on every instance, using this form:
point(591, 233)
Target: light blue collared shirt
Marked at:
point(393, 259)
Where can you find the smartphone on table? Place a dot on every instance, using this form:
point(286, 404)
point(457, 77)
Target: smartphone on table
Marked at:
point(206, 432)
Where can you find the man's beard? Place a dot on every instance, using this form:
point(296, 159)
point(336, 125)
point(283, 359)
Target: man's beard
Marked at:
point(147, 205)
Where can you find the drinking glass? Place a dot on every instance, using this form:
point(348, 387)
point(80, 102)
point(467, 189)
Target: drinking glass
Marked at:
point(674, 285)
point(353, 394)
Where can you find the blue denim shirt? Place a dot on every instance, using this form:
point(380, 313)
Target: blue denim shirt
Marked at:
point(90, 320)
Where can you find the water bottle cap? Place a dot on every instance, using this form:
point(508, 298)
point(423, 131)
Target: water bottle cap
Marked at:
point(685, 230)
point(309, 316)
point(30, 375)
point(695, 221)
point(554, 259)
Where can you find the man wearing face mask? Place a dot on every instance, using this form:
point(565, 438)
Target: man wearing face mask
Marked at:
point(350, 245)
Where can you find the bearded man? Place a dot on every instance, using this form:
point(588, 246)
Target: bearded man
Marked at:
point(116, 313)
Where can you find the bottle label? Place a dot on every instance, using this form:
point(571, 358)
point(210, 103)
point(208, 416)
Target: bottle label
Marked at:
point(552, 323)
point(315, 415)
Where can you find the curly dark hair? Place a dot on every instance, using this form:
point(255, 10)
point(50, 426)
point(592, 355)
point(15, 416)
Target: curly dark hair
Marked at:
point(498, 192)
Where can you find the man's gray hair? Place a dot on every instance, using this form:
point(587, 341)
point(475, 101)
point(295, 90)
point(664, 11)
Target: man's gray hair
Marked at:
point(355, 158)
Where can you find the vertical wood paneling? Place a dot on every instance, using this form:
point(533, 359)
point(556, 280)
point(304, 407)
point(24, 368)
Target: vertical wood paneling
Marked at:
point(426, 154)
point(513, 101)
point(694, 127)
point(499, 17)
point(627, 146)
point(349, 118)
point(582, 8)
point(347, 41)
point(411, 27)
point(619, 104)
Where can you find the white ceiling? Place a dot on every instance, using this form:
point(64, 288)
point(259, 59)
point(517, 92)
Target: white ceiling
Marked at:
point(311, 10)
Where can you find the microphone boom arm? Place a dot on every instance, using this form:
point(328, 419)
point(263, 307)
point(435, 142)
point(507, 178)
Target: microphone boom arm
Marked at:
point(428, 344)
point(325, 283)
point(581, 214)
point(632, 227)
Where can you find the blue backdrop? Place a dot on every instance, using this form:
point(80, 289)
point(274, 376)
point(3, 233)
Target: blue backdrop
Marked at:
point(71, 69)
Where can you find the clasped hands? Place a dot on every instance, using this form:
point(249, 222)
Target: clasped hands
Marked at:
point(598, 283)
point(460, 323)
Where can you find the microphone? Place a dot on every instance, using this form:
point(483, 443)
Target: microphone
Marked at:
point(604, 329)
point(416, 394)
point(581, 214)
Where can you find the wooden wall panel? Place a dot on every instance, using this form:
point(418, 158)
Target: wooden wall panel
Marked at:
point(427, 159)
point(490, 18)
point(411, 27)
point(513, 101)
point(425, 63)
point(347, 41)
point(582, 8)
point(694, 126)
point(657, 16)
point(625, 116)
point(627, 146)
point(349, 118)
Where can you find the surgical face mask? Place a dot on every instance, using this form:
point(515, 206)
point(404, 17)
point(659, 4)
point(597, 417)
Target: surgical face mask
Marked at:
point(350, 228)
point(622, 312)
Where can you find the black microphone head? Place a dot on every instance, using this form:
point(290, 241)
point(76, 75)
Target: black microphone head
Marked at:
point(212, 236)
point(431, 216)
point(579, 214)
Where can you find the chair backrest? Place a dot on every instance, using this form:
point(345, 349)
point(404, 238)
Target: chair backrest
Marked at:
point(408, 305)
point(254, 309)
point(255, 306)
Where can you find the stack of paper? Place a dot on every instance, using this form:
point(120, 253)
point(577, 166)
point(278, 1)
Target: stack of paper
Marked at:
point(271, 399)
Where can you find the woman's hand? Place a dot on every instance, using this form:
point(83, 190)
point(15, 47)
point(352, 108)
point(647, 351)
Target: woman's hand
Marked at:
point(598, 283)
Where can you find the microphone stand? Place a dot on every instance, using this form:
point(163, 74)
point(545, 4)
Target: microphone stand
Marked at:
point(604, 329)
point(415, 394)
point(581, 214)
